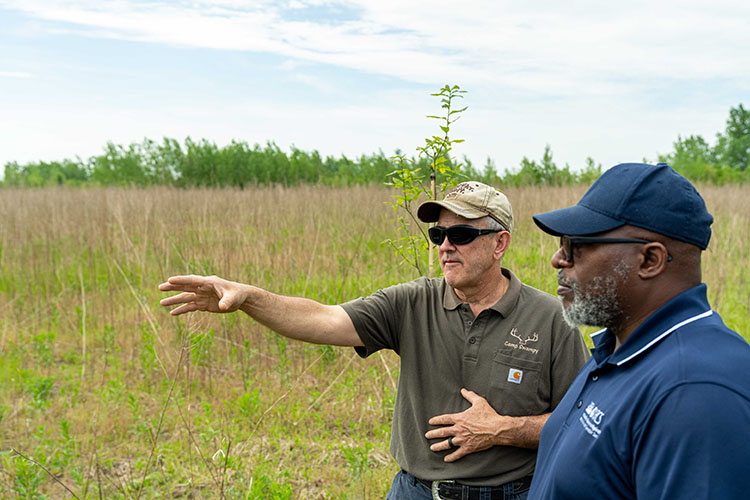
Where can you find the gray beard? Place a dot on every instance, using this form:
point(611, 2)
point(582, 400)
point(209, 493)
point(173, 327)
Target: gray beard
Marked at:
point(599, 305)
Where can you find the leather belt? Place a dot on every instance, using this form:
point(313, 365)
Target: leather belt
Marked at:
point(450, 490)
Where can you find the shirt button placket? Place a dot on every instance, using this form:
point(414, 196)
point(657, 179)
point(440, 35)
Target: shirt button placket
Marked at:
point(472, 339)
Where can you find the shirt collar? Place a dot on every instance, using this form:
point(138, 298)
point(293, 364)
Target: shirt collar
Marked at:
point(691, 305)
point(504, 306)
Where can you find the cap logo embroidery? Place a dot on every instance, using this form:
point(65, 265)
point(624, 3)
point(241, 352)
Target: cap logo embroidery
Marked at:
point(460, 189)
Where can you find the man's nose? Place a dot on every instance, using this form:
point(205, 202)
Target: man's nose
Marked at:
point(446, 244)
point(559, 260)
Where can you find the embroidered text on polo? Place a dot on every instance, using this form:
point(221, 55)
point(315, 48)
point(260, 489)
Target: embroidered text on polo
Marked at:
point(591, 419)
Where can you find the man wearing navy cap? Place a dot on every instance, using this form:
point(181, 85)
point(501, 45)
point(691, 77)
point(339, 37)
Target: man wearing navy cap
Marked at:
point(662, 408)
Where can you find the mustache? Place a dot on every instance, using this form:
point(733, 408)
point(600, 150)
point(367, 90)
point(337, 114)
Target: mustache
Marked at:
point(562, 280)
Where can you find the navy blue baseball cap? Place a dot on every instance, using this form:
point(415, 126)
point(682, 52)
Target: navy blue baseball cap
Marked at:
point(653, 197)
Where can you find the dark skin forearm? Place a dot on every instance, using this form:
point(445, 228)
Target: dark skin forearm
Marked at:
point(480, 427)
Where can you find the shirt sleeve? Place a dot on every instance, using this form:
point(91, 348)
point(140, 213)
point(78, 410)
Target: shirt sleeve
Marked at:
point(694, 445)
point(375, 318)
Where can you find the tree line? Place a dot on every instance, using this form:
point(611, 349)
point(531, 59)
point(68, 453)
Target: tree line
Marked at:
point(202, 163)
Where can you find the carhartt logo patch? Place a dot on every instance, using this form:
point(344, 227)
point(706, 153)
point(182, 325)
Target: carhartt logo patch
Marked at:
point(515, 375)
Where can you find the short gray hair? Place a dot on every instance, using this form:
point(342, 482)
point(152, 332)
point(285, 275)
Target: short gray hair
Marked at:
point(491, 223)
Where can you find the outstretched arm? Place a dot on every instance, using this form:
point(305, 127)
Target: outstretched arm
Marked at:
point(295, 317)
point(480, 427)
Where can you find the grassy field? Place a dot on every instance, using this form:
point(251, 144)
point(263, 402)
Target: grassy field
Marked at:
point(102, 388)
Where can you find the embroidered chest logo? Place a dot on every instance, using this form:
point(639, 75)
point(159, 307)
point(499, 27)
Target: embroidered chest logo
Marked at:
point(591, 419)
point(522, 341)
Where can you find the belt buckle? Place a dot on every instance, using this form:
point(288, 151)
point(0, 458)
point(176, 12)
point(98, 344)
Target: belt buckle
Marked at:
point(436, 485)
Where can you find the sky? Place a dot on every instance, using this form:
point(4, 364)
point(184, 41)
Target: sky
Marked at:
point(614, 81)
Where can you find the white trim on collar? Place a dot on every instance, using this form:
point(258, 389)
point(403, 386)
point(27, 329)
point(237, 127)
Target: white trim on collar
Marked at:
point(657, 339)
point(597, 333)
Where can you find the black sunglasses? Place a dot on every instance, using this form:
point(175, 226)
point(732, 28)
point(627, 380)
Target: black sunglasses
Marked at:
point(567, 242)
point(458, 235)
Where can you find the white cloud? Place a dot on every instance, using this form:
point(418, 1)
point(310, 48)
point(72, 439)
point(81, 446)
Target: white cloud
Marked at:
point(15, 74)
point(593, 77)
point(558, 47)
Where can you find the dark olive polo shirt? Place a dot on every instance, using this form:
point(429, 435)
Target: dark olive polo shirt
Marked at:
point(519, 355)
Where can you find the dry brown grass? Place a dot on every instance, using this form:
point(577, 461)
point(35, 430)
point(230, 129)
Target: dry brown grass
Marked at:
point(79, 314)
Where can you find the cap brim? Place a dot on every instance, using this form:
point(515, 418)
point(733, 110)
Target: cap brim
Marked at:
point(575, 221)
point(429, 211)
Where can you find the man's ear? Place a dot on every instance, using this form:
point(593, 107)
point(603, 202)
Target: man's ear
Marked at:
point(656, 258)
point(502, 242)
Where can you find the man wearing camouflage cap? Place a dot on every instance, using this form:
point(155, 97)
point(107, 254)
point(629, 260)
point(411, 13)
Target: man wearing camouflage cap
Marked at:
point(484, 358)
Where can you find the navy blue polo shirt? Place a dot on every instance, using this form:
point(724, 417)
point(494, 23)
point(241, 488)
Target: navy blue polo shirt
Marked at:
point(666, 416)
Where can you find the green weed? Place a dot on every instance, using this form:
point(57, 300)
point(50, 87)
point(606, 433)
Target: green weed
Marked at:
point(304, 421)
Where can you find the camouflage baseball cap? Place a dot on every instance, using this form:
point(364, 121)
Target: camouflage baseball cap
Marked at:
point(471, 200)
